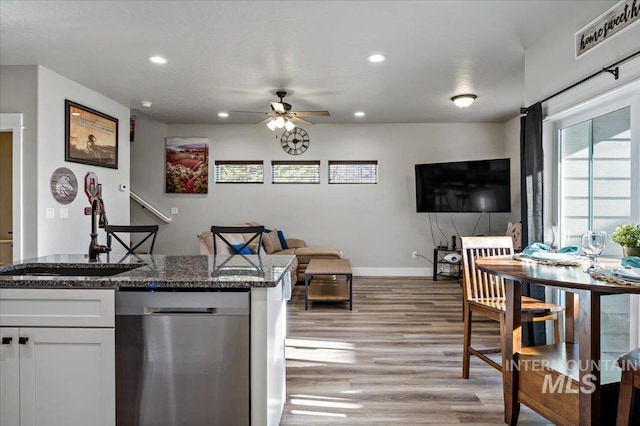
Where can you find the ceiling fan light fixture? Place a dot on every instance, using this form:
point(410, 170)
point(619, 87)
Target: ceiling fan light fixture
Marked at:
point(463, 101)
point(279, 122)
point(289, 125)
point(271, 124)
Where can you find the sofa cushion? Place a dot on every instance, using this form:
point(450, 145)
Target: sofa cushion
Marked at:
point(271, 242)
point(305, 254)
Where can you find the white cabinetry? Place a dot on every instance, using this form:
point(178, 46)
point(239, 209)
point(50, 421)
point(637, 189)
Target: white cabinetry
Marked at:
point(57, 363)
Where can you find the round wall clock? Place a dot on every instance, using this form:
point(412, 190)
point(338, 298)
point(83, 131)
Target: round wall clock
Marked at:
point(295, 142)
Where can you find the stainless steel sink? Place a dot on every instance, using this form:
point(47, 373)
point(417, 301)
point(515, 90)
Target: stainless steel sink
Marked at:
point(69, 271)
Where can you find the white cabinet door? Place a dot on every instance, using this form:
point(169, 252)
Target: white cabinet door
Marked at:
point(9, 377)
point(67, 377)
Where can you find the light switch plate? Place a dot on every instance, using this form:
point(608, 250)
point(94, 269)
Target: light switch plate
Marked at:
point(174, 210)
point(50, 213)
point(64, 213)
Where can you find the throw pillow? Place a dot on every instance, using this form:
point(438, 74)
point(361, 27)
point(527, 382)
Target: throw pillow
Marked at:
point(271, 242)
point(245, 250)
point(283, 240)
point(233, 239)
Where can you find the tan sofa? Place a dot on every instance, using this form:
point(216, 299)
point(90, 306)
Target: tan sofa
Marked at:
point(271, 245)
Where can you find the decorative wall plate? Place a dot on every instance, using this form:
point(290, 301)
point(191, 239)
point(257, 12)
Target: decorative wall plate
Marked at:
point(64, 185)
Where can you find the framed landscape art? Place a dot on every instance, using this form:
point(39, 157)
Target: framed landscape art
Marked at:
point(187, 165)
point(91, 137)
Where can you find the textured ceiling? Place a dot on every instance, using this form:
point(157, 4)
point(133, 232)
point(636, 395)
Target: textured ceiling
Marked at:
point(234, 55)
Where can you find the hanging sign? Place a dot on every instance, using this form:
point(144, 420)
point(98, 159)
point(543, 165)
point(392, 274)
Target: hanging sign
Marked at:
point(619, 17)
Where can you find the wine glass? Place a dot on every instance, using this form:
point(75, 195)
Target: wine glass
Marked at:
point(593, 244)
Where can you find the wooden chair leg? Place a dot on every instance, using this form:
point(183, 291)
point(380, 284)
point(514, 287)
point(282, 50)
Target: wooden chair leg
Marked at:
point(466, 343)
point(556, 330)
point(624, 400)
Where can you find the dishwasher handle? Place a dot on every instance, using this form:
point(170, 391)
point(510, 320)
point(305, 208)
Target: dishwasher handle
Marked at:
point(183, 310)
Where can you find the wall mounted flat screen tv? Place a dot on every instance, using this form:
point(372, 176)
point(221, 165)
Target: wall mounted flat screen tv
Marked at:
point(464, 186)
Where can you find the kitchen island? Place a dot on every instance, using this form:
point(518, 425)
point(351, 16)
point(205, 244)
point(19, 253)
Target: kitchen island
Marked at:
point(58, 328)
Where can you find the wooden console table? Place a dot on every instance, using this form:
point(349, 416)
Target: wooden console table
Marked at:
point(333, 291)
point(572, 396)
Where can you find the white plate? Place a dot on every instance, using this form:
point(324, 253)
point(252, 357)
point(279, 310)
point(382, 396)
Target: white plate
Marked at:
point(631, 273)
point(557, 257)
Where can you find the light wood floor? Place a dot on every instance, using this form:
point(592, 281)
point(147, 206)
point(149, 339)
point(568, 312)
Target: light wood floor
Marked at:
point(394, 360)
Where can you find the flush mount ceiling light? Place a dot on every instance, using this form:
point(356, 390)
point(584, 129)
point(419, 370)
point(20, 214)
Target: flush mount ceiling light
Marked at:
point(146, 104)
point(359, 114)
point(463, 101)
point(375, 58)
point(158, 60)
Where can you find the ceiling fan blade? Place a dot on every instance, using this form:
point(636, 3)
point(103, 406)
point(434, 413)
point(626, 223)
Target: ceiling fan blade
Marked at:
point(251, 112)
point(278, 107)
point(266, 120)
point(307, 113)
point(298, 120)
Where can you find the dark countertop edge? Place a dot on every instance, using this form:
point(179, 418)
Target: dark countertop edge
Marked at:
point(122, 280)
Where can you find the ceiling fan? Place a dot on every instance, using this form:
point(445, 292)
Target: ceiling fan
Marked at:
point(282, 116)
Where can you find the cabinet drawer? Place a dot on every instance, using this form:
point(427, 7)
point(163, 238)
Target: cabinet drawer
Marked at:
point(56, 308)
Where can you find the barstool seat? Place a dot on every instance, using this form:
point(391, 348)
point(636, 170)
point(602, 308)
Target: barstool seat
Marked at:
point(630, 365)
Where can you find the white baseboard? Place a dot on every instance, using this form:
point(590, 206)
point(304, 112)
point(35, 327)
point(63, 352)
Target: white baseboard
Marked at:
point(393, 272)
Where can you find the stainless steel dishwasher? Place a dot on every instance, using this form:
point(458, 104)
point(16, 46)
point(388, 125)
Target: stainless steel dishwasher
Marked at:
point(182, 358)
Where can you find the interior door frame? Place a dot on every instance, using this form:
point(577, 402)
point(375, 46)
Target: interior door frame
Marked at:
point(13, 123)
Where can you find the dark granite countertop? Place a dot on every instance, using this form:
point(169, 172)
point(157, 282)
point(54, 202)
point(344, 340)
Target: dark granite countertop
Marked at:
point(155, 272)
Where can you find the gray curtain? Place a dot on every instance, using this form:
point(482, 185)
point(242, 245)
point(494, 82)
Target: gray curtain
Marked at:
point(531, 166)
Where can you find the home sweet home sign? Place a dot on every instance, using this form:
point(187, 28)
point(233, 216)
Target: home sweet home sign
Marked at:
point(619, 17)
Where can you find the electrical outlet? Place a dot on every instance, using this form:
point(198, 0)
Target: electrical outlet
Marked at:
point(414, 255)
point(174, 210)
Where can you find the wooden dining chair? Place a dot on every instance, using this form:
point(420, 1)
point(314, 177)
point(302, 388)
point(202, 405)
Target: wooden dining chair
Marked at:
point(147, 231)
point(222, 234)
point(630, 365)
point(484, 294)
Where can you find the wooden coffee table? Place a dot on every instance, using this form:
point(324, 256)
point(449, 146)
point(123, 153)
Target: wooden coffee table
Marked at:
point(328, 290)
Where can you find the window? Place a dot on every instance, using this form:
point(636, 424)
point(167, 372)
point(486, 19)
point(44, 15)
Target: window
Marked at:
point(353, 171)
point(595, 176)
point(295, 171)
point(239, 172)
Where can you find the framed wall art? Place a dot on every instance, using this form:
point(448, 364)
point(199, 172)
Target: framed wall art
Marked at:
point(187, 165)
point(91, 137)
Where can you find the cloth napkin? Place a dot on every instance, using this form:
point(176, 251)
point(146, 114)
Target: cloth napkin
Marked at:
point(631, 262)
point(536, 247)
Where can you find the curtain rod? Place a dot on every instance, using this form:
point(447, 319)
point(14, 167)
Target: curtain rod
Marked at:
point(613, 69)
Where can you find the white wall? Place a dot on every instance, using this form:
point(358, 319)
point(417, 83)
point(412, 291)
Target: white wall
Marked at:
point(39, 94)
point(72, 235)
point(550, 64)
point(376, 226)
point(18, 94)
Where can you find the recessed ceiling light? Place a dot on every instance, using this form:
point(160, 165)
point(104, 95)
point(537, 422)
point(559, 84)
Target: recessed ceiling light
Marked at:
point(223, 114)
point(158, 60)
point(146, 104)
point(359, 114)
point(376, 58)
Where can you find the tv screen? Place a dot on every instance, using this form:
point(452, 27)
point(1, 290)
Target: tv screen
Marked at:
point(464, 186)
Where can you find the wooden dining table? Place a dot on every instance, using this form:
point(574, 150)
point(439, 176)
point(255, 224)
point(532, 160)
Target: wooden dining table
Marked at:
point(569, 383)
